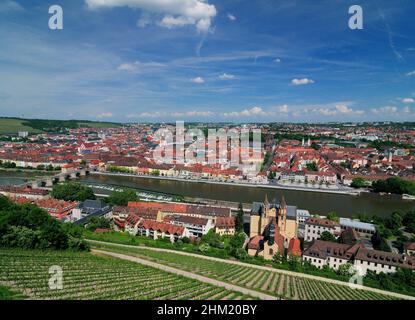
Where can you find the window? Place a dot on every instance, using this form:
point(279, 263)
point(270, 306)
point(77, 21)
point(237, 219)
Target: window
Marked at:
point(271, 252)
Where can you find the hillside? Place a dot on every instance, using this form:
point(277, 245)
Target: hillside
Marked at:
point(14, 125)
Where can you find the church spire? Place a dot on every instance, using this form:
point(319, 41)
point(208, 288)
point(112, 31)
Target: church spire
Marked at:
point(266, 202)
point(283, 204)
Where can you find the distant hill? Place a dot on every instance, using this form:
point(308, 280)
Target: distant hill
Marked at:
point(14, 125)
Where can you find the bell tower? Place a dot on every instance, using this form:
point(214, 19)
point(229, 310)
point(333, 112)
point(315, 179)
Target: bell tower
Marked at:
point(282, 215)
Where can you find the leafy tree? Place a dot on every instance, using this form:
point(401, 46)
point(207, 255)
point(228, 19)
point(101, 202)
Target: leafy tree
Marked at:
point(358, 183)
point(121, 198)
point(72, 192)
point(98, 223)
point(394, 185)
point(204, 247)
point(27, 226)
point(312, 166)
point(239, 221)
point(294, 263)
point(333, 216)
point(327, 236)
point(346, 269)
point(409, 221)
point(212, 239)
point(279, 258)
point(379, 243)
point(394, 222)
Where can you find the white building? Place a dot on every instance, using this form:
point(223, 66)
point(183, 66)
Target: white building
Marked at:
point(333, 255)
point(314, 227)
point(197, 227)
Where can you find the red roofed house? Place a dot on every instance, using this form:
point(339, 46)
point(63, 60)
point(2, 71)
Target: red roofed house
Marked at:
point(57, 208)
point(225, 226)
point(156, 230)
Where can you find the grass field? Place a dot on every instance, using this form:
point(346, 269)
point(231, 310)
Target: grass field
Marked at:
point(273, 283)
point(86, 276)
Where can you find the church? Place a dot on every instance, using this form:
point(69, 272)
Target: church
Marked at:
point(273, 228)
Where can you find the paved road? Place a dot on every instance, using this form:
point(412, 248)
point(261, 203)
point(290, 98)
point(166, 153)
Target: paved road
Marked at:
point(186, 274)
point(295, 274)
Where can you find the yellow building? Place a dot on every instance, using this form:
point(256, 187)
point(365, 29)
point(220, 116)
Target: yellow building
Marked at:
point(272, 226)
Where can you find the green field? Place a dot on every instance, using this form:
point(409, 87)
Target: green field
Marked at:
point(269, 282)
point(14, 125)
point(90, 277)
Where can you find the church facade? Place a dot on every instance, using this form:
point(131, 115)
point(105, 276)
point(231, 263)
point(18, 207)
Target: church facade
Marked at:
point(272, 227)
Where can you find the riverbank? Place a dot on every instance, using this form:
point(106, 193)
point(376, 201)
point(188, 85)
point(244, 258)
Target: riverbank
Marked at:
point(350, 192)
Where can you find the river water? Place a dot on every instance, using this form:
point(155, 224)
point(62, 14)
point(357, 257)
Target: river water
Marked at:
point(19, 177)
point(316, 203)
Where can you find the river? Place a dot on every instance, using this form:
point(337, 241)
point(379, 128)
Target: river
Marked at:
point(317, 203)
point(19, 177)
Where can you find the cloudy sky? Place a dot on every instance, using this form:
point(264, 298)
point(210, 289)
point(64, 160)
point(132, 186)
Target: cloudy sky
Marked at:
point(216, 60)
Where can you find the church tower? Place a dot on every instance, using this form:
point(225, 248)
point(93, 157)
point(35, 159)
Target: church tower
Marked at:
point(266, 203)
point(282, 215)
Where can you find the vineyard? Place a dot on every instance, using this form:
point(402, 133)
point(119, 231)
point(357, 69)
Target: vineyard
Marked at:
point(86, 276)
point(273, 283)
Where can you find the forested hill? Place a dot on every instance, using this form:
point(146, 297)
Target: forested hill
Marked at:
point(13, 125)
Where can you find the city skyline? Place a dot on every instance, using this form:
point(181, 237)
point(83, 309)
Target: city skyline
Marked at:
point(192, 60)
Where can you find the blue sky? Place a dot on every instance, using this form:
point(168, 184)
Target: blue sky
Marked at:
point(227, 60)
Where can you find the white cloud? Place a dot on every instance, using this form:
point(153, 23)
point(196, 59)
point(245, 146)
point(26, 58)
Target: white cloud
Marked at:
point(278, 60)
point(226, 76)
point(9, 5)
point(231, 17)
point(198, 80)
point(175, 22)
point(329, 110)
point(173, 115)
point(138, 66)
point(385, 110)
point(255, 111)
point(408, 100)
point(344, 109)
point(177, 13)
point(284, 109)
point(300, 82)
point(105, 115)
point(144, 21)
point(128, 67)
point(412, 73)
point(191, 114)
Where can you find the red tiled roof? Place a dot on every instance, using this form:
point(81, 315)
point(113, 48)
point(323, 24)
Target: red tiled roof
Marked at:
point(255, 242)
point(161, 227)
point(294, 248)
point(225, 222)
point(322, 222)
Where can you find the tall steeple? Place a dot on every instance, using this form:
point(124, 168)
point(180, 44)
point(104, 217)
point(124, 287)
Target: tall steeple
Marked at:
point(282, 215)
point(283, 204)
point(266, 202)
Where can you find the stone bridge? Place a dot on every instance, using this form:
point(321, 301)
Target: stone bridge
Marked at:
point(49, 181)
